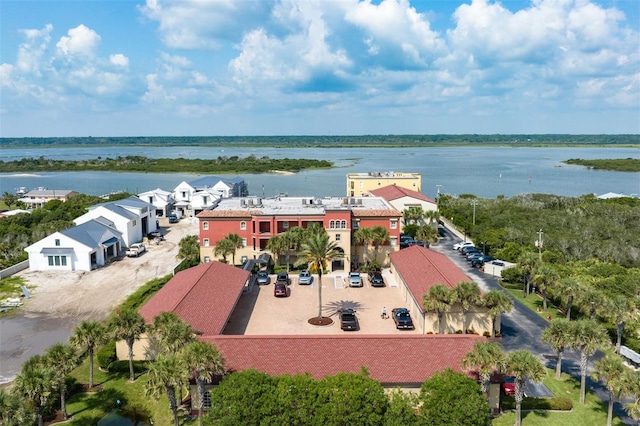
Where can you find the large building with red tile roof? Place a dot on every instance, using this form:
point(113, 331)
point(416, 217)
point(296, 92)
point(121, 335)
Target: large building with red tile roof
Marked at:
point(416, 269)
point(403, 198)
point(257, 219)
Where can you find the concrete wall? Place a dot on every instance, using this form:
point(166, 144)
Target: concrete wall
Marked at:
point(7, 272)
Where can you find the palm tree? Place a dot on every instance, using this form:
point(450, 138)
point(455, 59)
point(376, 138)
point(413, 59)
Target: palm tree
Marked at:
point(171, 333)
point(278, 245)
point(438, 299)
point(618, 379)
point(36, 382)
point(319, 251)
point(633, 408)
point(487, 357)
point(432, 216)
point(363, 236)
point(523, 365)
point(129, 326)
point(527, 263)
point(14, 410)
point(571, 289)
point(224, 248)
point(237, 244)
point(203, 361)
point(380, 234)
point(165, 374)
point(427, 234)
point(413, 214)
point(89, 334)
point(558, 336)
point(62, 359)
point(189, 250)
point(591, 300)
point(544, 277)
point(621, 309)
point(467, 294)
point(497, 303)
point(293, 238)
point(587, 336)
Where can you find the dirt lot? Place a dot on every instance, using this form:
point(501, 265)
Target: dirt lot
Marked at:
point(259, 312)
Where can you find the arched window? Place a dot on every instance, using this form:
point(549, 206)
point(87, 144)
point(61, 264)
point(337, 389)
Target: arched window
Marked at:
point(243, 225)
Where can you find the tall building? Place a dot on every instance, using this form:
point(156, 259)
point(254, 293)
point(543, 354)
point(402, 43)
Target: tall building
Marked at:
point(257, 219)
point(360, 184)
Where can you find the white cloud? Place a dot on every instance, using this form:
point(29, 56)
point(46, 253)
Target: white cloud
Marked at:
point(30, 52)
point(119, 60)
point(80, 41)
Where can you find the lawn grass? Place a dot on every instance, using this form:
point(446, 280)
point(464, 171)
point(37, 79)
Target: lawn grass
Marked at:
point(593, 412)
point(534, 303)
point(87, 409)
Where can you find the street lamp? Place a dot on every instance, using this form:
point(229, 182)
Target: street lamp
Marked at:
point(539, 243)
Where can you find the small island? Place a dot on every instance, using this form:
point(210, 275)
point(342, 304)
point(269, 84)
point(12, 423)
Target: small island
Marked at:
point(615, 164)
point(141, 164)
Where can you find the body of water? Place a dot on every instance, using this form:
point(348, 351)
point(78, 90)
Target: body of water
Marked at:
point(484, 171)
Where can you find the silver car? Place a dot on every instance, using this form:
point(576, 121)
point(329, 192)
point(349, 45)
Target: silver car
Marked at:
point(305, 278)
point(355, 280)
point(263, 278)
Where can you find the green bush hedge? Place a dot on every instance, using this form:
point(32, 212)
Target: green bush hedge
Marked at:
point(106, 355)
point(138, 298)
point(556, 403)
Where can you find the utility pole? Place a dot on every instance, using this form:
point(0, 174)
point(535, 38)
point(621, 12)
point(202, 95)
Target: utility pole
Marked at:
point(474, 203)
point(539, 244)
point(438, 192)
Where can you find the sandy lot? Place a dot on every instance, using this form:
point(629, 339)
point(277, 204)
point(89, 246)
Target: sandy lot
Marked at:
point(93, 295)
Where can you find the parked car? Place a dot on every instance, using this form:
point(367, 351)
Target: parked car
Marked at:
point(480, 261)
point(459, 245)
point(509, 385)
point(348, 320)
point(375, 279)
point(280, 290)
point(135, 250)
point(472, 255)
point(283, 277)
point(173, 218)
point(355, 280)
point(155, 235)
point(402, 318)
point(263, 278)
point(466, 249)
point(305, 278)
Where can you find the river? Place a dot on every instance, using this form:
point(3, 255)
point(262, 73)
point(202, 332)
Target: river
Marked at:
point(485, 171)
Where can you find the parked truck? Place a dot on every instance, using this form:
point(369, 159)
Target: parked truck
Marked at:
point(135, 249)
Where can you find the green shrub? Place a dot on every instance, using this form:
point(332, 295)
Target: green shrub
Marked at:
point(512, 275)
point(122, 366)
point(137, 299)
point(106, 355)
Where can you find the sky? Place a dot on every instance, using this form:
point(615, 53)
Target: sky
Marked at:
point(323, 67)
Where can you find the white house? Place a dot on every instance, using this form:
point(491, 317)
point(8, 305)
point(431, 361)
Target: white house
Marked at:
point(131, 216)
point(162, 200)
point(80, 248)
point(200, 194)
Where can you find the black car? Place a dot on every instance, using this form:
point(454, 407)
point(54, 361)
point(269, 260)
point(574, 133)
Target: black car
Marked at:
point(375, 279)
point(402, 318)
point(466, 250)
point(480, 261)
point(283, 277)
point(348, 320)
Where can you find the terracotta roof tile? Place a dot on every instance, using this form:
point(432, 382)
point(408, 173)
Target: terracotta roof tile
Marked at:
point(375, 213)
point(203, 296)
point(228, 213)
point(390, 359)
point(421, 269)
point(393, 192)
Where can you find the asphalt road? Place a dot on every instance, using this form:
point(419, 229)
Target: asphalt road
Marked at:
point(522, 328)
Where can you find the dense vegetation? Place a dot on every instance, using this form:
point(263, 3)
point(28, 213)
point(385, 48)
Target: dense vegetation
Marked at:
point(134, 163)
point(21, 230)
point(573, 228)
point(331, 141)
point(620, 164)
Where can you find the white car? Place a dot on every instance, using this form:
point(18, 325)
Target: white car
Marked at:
point(355, 280)
point(458, 246)
point(305, 278)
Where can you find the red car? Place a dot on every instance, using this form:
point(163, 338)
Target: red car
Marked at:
point(280, 290)
point(509, 386)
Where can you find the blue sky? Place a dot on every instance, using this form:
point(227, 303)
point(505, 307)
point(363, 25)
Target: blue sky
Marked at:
point(328, 67)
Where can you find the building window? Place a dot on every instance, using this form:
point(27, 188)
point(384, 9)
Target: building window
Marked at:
point(134, 222)
point(343, 224)
point(394, 224)
point(244, 242)
point(207, 400)
point(243, 225)
point(207, 259)
point(205, 226)
point(205, 200)
point(332, 224)
point(184, 194)
point(50, 258)
point(57, 242)
point(57, 260)
point(337, 237)
point(393, 241)
point(285, 225)
point(206, 242)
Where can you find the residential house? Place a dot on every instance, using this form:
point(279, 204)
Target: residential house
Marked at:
point(39, 197)
point(360, 184)
point(162, 200)
point(80, 248)
point(416, 269)
point(133, 217)
point(257, 219)
point(403, 199)
point(193, 197)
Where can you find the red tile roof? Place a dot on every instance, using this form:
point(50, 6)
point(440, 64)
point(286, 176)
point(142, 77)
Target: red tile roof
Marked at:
point(390, 359)
point(421, 269)
point(375, 213)
point(228, 213)
point(203, 296)
point(393, 192)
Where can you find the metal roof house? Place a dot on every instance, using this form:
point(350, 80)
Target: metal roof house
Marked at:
point(80, 248)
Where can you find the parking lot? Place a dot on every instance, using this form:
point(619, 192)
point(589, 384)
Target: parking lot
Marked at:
point(260, 313)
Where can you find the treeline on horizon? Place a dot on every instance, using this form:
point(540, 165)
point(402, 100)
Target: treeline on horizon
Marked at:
point(330, 141)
